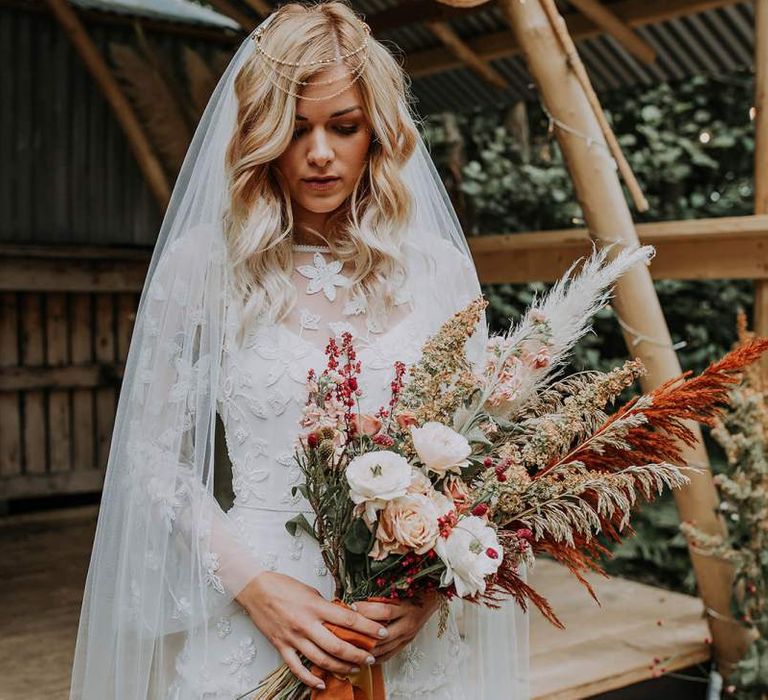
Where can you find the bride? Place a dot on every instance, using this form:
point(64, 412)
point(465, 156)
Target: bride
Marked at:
point(307, 206)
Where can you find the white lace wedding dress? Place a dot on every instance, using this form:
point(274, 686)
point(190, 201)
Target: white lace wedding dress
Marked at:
point(262, 391)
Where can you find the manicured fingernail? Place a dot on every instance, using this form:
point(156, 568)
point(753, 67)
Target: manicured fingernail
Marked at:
point(320, 686)
point(354, 669)
point(370, 661)
point(383, 632)
point(353, 606)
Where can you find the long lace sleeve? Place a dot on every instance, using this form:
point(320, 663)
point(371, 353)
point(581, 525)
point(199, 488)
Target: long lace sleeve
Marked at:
point(169, 479)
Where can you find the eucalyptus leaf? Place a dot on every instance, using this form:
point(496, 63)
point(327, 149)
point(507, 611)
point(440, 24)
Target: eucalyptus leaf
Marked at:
point(358, 537)
point(299, 523)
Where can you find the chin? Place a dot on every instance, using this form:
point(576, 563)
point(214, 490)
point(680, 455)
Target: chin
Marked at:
point(323, 205)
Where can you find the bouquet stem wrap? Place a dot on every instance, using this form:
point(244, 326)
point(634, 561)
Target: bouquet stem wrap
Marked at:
point(367, 684)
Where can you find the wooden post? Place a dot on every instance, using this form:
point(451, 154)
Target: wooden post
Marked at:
point(98, 68)
point(608, 218)
point(761, 157)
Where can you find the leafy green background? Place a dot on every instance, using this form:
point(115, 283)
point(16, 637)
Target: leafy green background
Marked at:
point(691, 146)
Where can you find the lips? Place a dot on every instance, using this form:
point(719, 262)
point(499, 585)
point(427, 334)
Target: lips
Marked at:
point(321, 184)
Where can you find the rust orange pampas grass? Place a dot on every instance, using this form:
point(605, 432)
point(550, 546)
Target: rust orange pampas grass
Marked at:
point(667, 409)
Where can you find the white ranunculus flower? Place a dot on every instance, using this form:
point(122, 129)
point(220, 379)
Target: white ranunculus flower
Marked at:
point(377, 477)
point(441, 448)
point(471, 552)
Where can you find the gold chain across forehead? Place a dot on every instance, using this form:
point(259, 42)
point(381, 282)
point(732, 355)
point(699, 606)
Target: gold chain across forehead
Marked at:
point(271, 71)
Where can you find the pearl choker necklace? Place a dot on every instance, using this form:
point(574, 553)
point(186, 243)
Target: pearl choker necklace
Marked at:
point(305, 248)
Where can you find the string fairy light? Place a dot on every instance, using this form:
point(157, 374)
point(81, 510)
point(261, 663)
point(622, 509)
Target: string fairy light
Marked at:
point(573, 131)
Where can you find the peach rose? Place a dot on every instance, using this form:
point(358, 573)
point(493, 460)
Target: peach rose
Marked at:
point(408, 523)
point(366, 424)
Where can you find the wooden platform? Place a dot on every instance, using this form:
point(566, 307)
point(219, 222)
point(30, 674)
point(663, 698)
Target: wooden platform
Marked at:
point(44, 559)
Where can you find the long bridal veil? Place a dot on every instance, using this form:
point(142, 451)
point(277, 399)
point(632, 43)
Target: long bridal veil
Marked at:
point(166, 557)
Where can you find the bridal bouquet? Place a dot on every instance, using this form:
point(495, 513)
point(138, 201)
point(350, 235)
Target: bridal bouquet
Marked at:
point(470, 471)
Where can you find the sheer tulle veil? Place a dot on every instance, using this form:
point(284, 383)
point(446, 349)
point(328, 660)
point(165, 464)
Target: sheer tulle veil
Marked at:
point(157, 570)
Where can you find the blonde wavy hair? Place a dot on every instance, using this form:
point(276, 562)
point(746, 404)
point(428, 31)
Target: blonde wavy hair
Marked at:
point(368, 228)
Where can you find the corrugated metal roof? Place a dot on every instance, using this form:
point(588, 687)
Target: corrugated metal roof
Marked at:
point(716, 41)
point(173, 10)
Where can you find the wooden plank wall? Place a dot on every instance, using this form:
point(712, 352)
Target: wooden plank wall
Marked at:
point(66, 172)
point(61, 355)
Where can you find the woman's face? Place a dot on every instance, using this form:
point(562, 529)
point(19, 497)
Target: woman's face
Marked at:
point(328, 150)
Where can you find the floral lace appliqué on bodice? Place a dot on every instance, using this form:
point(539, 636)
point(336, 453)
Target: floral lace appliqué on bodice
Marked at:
point(263, 387)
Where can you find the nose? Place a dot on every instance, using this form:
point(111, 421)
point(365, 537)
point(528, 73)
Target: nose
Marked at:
point(320, 152)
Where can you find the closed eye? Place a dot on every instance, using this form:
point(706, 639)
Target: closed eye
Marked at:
point(344, 130)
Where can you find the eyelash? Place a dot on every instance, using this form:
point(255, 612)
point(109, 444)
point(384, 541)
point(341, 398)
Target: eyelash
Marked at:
point(343, 130)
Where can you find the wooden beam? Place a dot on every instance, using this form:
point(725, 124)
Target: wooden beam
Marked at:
point(606, 19)
point(605, 209)
point(261, 7)
point(734, 247)
point(225, 7)
point(142, 149)
point(67, 377)
point(634, 13)
point(58, 483)
point(459, 48)
point(760, 323)
point(723, 248)
point(49, 269)
point(415, 11)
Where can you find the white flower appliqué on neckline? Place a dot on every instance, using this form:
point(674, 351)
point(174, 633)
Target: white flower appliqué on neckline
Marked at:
point(323, 276)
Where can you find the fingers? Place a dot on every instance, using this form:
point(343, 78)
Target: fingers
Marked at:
point(319, 657)
point(400, 633)
point(382, 650)
point(346, 617)
point(335, 646)
point(383, 612)
point(299, 670)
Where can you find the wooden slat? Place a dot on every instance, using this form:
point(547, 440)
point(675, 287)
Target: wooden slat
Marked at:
point(83, 436)
point(59, 379)
point(723, 248)
point(105, 398)
point(52, 484)
point(10, 423)
point(59, 414)
point(611, 646)
point(33, 355)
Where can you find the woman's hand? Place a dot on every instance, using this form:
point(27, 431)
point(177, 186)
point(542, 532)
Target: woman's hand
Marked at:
point(291, 615)
point(404, 620)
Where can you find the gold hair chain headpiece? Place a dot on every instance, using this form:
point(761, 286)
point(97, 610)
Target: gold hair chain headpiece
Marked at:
point(356, 73)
